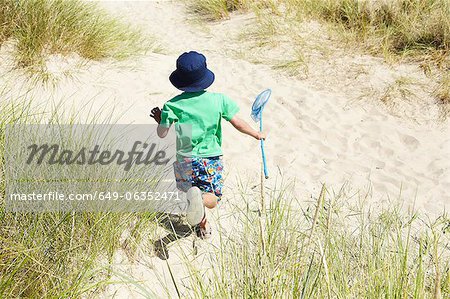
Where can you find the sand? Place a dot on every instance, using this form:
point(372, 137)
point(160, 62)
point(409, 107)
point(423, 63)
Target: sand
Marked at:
point(315, 135)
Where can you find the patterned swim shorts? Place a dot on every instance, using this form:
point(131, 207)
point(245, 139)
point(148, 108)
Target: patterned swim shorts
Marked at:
point(204, 173)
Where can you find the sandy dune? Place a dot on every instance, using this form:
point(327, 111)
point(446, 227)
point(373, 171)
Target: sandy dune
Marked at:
point(314, 136)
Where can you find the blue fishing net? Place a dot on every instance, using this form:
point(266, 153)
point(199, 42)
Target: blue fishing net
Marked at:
point(257, 109)
point(259, 104)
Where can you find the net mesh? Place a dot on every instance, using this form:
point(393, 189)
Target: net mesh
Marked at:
point(259, 104)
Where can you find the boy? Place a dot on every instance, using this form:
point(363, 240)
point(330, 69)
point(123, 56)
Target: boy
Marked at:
point(200, 163)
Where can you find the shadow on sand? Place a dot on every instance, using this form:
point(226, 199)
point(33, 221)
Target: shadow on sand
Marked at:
point(177, 228)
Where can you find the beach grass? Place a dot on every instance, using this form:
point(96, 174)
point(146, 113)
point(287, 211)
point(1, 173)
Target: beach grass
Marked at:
point(401, 27)
point(337, 246)
point(216, 9)
point(58, 254)
point(38, 28)
point(442, 93)
point(297, 66)
point(414, 32)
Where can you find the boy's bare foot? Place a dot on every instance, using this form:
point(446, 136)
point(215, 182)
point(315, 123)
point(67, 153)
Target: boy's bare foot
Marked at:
point(203, 229)
point(195, 211)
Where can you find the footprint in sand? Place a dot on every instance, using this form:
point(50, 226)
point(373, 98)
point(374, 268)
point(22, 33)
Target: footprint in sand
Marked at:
point(409, 141)
point(387, 152)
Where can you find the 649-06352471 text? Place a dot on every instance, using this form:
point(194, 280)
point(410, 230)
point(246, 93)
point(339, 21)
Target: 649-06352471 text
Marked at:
point(100, 196)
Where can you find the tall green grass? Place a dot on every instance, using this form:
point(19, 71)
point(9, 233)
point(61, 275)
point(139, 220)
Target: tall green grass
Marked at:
point(37, 28)
point(397, 26)
point(57, 254)
point(217, 9)
point(326, 249)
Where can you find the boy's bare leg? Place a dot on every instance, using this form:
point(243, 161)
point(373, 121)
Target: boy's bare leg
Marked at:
point(209, 200)
point(203, 229)
point(195, 211)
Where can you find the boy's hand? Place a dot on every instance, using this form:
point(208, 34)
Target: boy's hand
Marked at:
point(156, 114)
point(245, 128)
point(261, 136)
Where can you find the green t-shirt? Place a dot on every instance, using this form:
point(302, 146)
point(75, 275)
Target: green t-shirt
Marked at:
point(198, 115)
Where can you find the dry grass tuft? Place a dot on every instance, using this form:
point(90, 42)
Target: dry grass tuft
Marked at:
point(38, 28)
point(216, 9)
point(399, 89)
point(442, 94)
point(326, 249)
point(397, 27)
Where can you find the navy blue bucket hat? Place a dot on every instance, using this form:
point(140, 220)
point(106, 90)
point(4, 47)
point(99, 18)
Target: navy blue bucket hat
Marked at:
point(191, 74)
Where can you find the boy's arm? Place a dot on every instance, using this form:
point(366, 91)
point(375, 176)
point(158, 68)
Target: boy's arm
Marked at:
point(161, 130)
point(243, 127)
